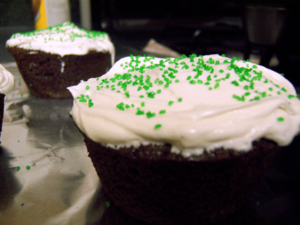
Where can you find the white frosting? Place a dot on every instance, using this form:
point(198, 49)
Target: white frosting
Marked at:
point(215, 111)
point(7, 81)
point(64, 39)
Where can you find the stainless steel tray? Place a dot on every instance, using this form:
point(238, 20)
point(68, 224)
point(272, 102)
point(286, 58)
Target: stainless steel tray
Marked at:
point(46, 176)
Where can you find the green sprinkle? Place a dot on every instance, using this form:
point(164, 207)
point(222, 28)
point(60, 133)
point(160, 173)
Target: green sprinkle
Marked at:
point(254, 66)
point(283, 89)
point(90, 103)
point(158, 91)
point(211, 61)
point(189, 77)
point(291, 96)
point(107, 204)
point(120, 106)
point(256, 98)
point(141, 96)
point(151, 94)
point(170, 103)
point(217, 85)
point(127, 94)
point(139, 112)
point(162, 111)
point(270, 89)
point(150, 115)
point(27, 167)
point(242, 99)
point(199, 81)
point(278, 92)
point(176, 81)
point(221, 71)
point(157, 126)
point(18, 168)
point(179, 99)
point(127, 106)
point(280, 119)
point(142, 104)
point(235, 83)
point(192, 82)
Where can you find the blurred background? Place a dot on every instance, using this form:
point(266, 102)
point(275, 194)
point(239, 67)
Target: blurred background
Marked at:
point(264, 31)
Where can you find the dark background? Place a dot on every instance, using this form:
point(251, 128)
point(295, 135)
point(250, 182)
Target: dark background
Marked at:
point(190, 26)
point(201, 27)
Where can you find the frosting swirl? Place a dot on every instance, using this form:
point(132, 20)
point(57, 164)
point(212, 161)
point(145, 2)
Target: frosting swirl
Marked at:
point(63, 39)
point(7, 81)
point(194, 103)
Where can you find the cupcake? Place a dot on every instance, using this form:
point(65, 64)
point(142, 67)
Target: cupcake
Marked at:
point(184, 140)
point(6, 85)
point(52, 59)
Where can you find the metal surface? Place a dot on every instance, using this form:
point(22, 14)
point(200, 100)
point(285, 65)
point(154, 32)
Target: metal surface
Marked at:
point(46, 175)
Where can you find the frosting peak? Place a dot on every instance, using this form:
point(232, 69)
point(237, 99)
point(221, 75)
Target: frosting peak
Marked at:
point(193, 103)
point(7, 81)
point(63, 39)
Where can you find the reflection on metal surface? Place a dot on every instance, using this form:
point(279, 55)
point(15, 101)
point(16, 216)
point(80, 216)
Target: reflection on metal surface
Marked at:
point(45, 172)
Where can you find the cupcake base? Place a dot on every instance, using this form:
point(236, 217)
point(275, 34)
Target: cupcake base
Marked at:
point(48, 75)
point(154, 185)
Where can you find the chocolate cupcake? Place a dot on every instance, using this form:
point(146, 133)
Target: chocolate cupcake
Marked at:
point(184, 140)
point(6, 85)
point(52, 59)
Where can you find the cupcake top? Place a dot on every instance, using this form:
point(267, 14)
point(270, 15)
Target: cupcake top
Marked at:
point(63, 39)
point(193, 103)
point(7, 81)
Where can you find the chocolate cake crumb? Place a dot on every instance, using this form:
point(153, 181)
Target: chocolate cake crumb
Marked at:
point(169, 189)
point(48, 75)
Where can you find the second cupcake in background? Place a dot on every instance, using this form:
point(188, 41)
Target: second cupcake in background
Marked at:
point(52, 59)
